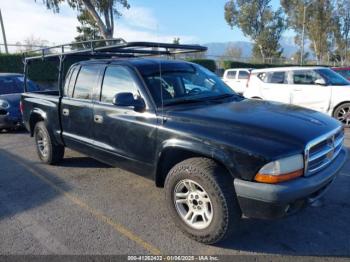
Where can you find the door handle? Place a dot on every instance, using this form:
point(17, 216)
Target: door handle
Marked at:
point(65, 112)
point(297, 90)
point(98, 119)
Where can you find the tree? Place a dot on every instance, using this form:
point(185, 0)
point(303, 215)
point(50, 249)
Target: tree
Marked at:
point(342, 30)
point(102, 12)
point(88, 28)
point(176, 40)
point(259, 22)
point(319, 23)
point(31, 43)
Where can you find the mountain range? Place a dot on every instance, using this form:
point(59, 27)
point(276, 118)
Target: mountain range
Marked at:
point(217, 49)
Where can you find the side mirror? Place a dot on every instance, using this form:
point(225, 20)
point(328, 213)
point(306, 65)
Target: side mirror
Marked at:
point(128, 100)
point(320, 82)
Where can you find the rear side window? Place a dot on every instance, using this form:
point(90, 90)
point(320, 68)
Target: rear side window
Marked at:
point(263, 77)
point(278, 78)
point(86, 81)
point(118, 79)
point(243, 75)
point(231, 75)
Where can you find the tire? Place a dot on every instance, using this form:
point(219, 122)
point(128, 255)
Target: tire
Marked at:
point(47, 151)
point(342, 114)
point(217, 184)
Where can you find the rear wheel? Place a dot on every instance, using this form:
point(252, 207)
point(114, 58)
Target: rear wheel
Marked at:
point(201, 199)
point(48, 152)
point(342, 113)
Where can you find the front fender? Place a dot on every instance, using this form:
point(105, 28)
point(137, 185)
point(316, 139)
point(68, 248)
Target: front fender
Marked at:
point(200, 149)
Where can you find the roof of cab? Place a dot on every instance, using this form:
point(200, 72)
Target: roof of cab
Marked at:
point(146, 65)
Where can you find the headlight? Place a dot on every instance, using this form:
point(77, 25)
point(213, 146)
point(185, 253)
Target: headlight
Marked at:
point(4, 104)
point(281, 170)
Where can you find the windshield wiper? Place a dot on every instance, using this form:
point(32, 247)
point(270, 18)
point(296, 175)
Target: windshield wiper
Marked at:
point(183, 101)
point(221, 96)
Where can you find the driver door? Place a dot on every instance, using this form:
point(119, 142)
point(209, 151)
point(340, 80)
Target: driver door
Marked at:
point(123, 136)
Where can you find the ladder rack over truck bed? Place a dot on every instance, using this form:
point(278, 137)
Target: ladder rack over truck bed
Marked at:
point(110, 48)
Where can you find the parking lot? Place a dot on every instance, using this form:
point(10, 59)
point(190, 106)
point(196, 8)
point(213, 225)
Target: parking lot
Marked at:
point(85, 207)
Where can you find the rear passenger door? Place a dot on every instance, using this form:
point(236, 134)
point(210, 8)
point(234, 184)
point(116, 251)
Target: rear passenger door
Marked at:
point(275, 86)
point(123, 136)
point(77, 107)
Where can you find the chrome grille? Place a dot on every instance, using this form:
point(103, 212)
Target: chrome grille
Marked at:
point(322, 151)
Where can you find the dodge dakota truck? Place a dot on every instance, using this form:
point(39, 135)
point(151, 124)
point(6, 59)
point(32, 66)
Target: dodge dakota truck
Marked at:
point(217, 154)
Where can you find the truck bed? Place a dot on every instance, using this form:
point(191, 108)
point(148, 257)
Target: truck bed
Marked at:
point(46, 106)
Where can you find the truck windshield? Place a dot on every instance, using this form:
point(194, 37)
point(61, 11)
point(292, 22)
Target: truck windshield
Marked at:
point(332, 77)
point(192, 83)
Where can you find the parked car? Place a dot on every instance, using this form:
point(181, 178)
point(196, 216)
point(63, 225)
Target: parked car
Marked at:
point(217, 154)
point(344, 71)
point(237, 78)
point(11, 87)
point(317, 88)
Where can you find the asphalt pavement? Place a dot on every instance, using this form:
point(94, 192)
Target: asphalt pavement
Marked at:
point(83, 207)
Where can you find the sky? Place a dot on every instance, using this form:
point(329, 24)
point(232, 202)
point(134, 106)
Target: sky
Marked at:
point(193, 21)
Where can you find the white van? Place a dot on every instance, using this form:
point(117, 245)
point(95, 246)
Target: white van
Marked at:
point(237, 78)
point(317, 88)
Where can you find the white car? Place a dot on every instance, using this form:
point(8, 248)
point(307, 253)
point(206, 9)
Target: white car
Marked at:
point(237, 78)
point(317, 88)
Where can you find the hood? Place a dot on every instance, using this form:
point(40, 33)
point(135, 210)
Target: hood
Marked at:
point(12, 99)
point(257, 123)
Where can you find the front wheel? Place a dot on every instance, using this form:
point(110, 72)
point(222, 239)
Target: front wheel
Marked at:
point(342, 114)
point(48, 152)
point(201, 199)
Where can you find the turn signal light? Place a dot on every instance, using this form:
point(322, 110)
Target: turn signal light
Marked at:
point(274, 179)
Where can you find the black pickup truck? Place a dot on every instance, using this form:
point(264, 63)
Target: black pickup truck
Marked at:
point(218, 155)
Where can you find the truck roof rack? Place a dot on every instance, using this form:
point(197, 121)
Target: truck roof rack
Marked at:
point(108, 48)
point(117, 47)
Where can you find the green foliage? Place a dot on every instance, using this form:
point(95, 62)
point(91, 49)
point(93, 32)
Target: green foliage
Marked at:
point(319, 23)
point(38, 70)
point(259, 22)
point(102, 12)
point(11, 63)
point(207, 63)
point(88, 28)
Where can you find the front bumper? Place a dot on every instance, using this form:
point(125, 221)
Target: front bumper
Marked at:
point(6, 121)
point(258, 200)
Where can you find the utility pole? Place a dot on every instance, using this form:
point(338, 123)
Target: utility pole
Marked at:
point(303, 35)
point(3, 33)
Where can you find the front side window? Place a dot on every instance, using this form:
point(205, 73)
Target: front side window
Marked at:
point(306, 77)
point(86, 81)
point(117, 79)
point(185, 83)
